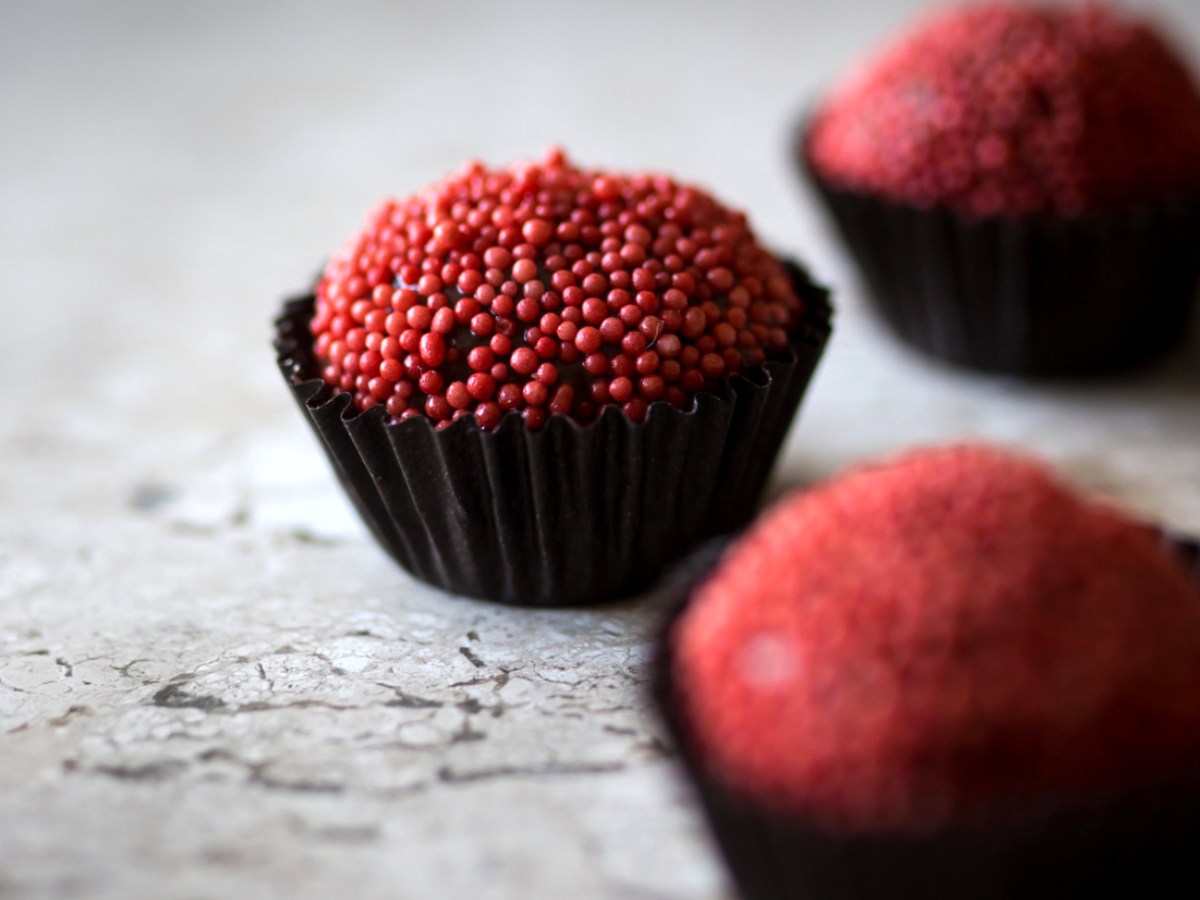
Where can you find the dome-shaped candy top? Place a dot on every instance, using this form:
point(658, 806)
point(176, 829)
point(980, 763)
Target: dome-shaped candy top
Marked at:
point(1003, 109)
point(547, 288)
point(935, 639)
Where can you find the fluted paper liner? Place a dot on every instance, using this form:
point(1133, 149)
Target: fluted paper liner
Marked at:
point(567, 514)
point(1026, 295)
point(1124, 844)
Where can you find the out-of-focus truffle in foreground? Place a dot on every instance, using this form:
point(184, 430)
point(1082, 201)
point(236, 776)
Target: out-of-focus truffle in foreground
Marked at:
point(949, 656)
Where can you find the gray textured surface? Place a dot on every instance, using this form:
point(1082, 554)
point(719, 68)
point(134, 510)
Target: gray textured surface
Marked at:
point(211, 682)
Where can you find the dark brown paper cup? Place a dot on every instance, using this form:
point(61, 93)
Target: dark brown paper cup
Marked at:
point(567, 514)
point(1027, 295)
point(1124, 844)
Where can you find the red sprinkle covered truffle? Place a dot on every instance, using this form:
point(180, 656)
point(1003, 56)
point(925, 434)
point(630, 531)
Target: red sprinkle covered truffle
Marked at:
point(936, 638)
point(1007, 109)
point(547, 288)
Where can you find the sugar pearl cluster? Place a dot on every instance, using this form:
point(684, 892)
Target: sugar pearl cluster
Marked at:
point(547, 288)
point(1002, 109)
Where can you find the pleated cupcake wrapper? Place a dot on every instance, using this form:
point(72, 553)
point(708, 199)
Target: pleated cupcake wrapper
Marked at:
point(1033, 295)
point(1124, 844)
point(567, 514)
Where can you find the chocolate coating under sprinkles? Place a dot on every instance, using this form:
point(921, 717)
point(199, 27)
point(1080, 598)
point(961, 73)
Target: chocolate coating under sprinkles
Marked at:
point(547, 288)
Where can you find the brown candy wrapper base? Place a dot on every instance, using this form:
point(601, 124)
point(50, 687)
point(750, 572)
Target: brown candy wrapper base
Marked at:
point(1034, 295)
point(567, 514)
point(1121, 845)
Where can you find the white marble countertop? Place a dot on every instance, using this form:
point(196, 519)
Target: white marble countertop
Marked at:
point(212, 683)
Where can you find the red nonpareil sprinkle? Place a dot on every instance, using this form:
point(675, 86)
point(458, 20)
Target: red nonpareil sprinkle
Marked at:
point(1003, 109)
point(950, 633)
point(539, 287)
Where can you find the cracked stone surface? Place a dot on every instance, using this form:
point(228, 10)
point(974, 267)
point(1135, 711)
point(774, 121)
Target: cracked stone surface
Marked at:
point(237, 732)
point(212, 683)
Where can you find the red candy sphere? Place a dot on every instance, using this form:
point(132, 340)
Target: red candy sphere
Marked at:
point(1004, 109)
point(920, 642)
point(539, 287)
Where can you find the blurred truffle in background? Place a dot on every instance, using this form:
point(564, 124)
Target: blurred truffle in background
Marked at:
point(1020, 186)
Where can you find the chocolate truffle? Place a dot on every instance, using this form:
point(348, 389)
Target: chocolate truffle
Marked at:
point(1006, 109)
point(542, 384)
point(946, 675)
point(1020, 186)
point(548, 288)
point(928, 641)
